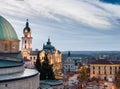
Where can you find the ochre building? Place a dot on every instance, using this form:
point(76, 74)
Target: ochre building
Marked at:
point(54, 56)
point(104, 69)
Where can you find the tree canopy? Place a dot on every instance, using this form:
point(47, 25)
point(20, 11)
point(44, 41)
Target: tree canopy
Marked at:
point(83, 73)
point(45, 68)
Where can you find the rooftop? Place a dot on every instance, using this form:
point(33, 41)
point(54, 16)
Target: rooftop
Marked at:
point(16, 76)
point(7, 32)
point(8, 63)
point(105, 62)
point(51, 82)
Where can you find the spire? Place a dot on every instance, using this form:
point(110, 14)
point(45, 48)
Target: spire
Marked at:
point(27, 23)
point(43, 46)
point(69, 54)
point(48, 41)
point(27, 28)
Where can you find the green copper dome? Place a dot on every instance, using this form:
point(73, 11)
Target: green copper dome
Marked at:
point(7, 32)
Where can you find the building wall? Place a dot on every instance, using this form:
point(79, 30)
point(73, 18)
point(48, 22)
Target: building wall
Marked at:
point(31, 61)
point(26, 43)
point(104, 71)
point(11, 70)
point(28, 83)
point(9, 46)
point(69, 65)
point(55, 59)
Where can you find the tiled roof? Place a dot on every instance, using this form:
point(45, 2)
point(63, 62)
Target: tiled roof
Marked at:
point(105, 62)
point(33, 52)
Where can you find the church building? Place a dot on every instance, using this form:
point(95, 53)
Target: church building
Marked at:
point(70, 65)
point(54, 57)
point(28, 54)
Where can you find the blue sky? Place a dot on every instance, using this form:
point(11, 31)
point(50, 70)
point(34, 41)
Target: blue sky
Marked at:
point(71, 24)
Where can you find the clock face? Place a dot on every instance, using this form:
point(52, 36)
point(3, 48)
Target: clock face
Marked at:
point(26, 30)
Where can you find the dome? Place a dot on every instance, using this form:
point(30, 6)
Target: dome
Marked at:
point(48, 45)
point(7, 32)
point(27, 28)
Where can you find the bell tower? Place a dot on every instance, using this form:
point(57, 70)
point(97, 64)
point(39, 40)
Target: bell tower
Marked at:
point(26, 41)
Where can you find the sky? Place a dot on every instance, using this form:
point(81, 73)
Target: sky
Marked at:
point(75, 25)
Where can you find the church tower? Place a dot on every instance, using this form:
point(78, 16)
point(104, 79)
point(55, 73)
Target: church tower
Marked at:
point(26, 41)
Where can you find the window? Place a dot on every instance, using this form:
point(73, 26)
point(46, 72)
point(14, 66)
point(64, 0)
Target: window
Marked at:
point(93, 67)
point(115, 71)
point(110, 68)
point(34, 57)
point(30, 57)
point(6, 85)
point(99, 72)
point(104, 67)
point(110, 72)
point(25, 46)
point(99, 67)
point(6, 47)
point(25, 41)
point(93, 72)
point(104, 72)
point(66, 66)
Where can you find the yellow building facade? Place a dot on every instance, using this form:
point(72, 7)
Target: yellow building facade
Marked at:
point(104, 70)
point(54, 56)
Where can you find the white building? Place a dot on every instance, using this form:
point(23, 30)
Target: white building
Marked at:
point(69, 64)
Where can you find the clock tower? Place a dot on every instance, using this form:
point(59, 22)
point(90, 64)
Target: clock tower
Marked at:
point(26, 41)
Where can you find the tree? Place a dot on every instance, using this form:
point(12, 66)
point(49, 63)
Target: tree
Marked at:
point(38, 66)
point(38, 63)
point(45, 68)
point(83, 73)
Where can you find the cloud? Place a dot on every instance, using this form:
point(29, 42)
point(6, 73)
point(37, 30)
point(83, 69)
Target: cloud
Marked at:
point(66, 21)
point(84, 11)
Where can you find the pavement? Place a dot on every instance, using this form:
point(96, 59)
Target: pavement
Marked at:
point(93, 85)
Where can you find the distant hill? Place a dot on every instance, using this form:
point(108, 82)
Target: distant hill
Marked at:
point(92, 52)
point(89, 53)
point(111, 1)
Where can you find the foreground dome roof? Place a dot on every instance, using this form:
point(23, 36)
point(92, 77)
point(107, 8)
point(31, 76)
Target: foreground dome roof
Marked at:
point(7, 32)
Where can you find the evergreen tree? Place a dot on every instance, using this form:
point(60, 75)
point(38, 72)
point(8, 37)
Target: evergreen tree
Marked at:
point(45, 68)
point(38, 63)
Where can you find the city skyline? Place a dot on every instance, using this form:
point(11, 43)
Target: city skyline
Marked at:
point(78, 25)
